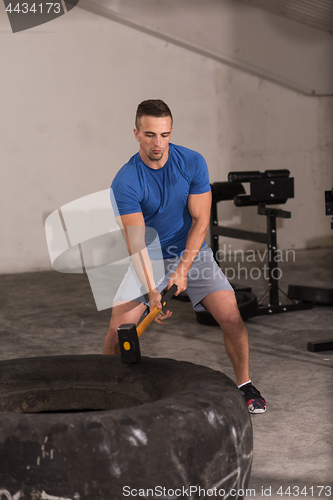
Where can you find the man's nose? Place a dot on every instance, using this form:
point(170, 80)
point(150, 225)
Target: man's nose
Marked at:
point(158, 140)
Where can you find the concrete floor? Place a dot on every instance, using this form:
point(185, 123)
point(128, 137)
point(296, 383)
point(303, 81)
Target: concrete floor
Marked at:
point(49, 313)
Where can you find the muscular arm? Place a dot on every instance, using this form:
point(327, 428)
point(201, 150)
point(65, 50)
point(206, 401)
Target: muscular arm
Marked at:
point(133, 228)
point(199, 206)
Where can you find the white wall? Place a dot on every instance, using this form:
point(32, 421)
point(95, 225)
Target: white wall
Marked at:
point(69, 91)
point(233, 32)
point(263, 126)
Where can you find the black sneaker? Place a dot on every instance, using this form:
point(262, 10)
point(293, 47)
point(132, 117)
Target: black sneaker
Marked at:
point(254, 400)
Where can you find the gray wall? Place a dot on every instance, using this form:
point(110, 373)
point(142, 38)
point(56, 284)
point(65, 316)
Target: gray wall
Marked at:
point(69, 90)
point(259, 41)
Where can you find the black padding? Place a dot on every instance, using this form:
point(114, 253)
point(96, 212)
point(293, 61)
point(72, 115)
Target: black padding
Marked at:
point(320, 346)
point(311, 294)
point(276, 173)
point(244, 201)
point(223, 191)
point(244, 176)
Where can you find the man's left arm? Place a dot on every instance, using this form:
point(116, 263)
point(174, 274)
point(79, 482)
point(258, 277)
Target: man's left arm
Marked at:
point(199, 206)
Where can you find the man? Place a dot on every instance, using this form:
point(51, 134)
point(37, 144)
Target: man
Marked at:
point(166, 187)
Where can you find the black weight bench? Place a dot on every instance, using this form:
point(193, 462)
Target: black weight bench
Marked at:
point(266, 188)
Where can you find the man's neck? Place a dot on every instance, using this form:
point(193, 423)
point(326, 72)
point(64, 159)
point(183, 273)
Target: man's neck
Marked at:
point(154, 164)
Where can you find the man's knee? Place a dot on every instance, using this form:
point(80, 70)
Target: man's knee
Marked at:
point(231, 320)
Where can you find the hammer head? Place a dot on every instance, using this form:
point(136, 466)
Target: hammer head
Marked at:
point(129, 343)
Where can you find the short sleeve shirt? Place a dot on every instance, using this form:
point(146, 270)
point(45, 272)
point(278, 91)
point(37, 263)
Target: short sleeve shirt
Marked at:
point(161, 195)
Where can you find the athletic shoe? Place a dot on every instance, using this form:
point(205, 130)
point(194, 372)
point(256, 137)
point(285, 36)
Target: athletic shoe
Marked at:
point(254, 400)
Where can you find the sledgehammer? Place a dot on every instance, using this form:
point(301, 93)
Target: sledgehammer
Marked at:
point(129, 335)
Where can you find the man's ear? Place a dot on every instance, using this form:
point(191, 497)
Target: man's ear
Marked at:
point(135, 130)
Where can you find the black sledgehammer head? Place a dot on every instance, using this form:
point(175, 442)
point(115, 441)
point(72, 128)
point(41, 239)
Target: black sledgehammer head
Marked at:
point(129, 343)
point(129, 335)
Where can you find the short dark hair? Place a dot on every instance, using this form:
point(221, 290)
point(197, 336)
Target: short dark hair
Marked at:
point(152, 107)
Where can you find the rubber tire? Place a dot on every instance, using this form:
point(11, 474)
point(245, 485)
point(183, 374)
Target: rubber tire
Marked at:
point(177, 424)
point(247, 304)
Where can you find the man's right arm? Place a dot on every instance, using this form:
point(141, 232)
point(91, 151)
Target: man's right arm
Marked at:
point(133, 229)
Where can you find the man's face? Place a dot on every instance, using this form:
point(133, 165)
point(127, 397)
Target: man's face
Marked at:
point(154, 137)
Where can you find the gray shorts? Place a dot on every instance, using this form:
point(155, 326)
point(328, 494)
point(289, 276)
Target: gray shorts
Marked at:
point(204, 277)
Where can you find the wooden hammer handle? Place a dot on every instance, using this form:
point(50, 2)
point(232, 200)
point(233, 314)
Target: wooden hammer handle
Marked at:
point(155, 312)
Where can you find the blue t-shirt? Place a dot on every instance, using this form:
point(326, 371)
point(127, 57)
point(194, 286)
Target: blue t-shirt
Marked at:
point(161, 195)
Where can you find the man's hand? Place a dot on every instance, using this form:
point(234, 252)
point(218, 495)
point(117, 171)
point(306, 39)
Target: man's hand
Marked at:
point(155, 300)
point(179, 278)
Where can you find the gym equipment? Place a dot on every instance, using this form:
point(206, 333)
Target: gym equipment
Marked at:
point(329, 204)
point(323, 345)
point(83, 427)
point(266, 188)
point(322, 296)
point(129, 335)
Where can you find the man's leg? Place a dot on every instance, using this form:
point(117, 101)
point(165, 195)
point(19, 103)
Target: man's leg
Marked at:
point(223, 307)
point(122, 312)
